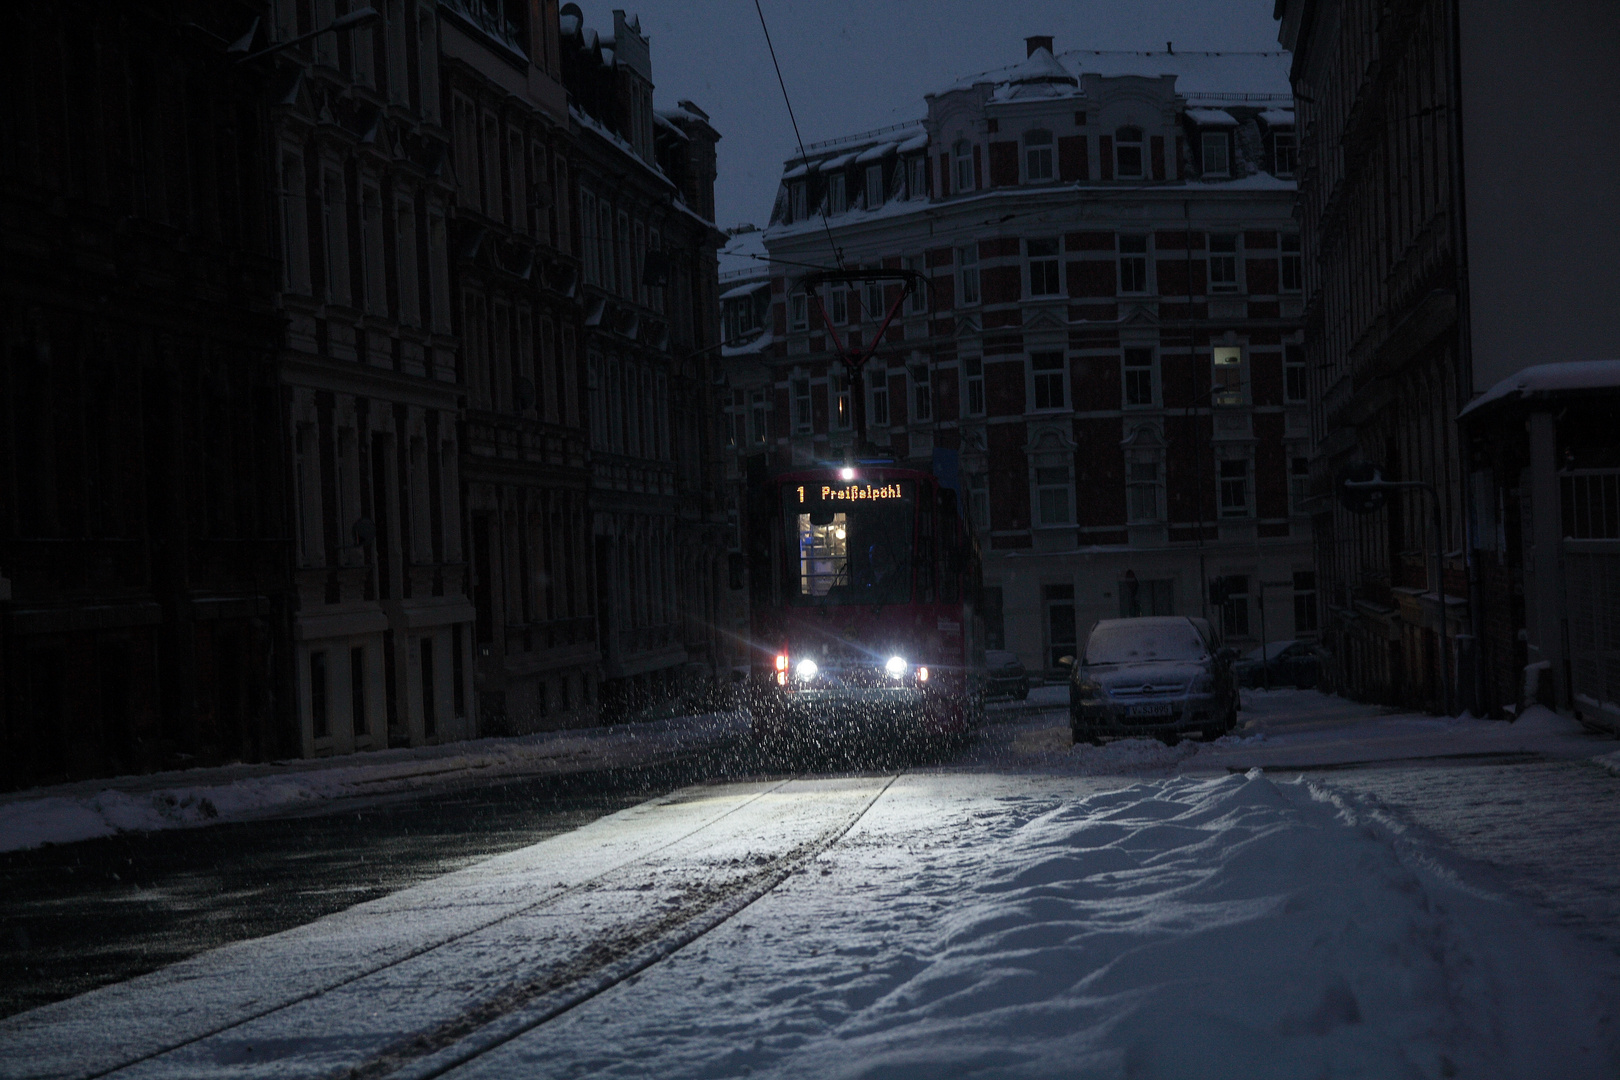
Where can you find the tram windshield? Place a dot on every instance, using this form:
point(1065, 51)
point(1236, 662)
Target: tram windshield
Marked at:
point(853, 542)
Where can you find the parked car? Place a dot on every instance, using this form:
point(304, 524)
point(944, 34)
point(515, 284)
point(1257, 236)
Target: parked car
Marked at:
point(1280, 663)
point(1004, 675)
point(1158, 676)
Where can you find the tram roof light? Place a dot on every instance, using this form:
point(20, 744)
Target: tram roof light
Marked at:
point(847, 474)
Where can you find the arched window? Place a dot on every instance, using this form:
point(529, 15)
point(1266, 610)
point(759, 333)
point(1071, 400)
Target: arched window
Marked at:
point(1037, 156)
point(962, 155)
point(1128, 153)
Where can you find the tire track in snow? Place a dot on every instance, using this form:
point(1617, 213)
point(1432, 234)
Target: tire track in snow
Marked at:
point(552, 900)
point(521, 1009)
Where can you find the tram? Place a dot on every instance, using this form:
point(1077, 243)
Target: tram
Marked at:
point(866, 620)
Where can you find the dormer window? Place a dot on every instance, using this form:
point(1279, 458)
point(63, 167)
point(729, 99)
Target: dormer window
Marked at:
point(1217, 160)
point(837, 197)
point(917, 187)
point(1284, 151)
point(874, 186)
point(1128, 153)
point(798, 208)
point(962, 157)
point(1038, 156)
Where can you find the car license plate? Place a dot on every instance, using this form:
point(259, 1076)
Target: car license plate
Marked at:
point(1148, 710)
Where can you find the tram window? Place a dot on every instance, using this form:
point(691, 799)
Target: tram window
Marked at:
point(858, 554)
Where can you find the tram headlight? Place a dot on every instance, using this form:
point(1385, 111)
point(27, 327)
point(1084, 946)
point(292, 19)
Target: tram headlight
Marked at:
point(806, 670)
point(922, 674)
point(896, 666)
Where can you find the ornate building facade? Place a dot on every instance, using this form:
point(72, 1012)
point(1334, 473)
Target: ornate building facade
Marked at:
point(1110, 340)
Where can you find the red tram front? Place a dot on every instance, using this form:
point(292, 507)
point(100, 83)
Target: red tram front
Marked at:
point(865, 584)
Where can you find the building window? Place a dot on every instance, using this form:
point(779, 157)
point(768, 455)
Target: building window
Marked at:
point(317, 693)
point(1139, 599)
point(406, 273)
point(922, 396)
point(1294, 385)
point(1234, 487)
point(840, 307)
point(335, 237)
point(1216, 158)
point(979, 501)
point(1058, 600)
point(842, 417)
point(1052, 494)
point(967, 275)
point(759, 415)
point(1038, 156)
point(1142, 491)
point(875, 307)
point(1285, 153)
point(798, 312)
point(1044, 276)
point(973, 386)
point(878, 411)
point(1234, 605)
point(1133, 264)
point(1223, 263)
point(798, 202)
point(837, 194)
point(874, 186)
point(917, 302)
point(801, 406)
point(962, 156)
point(1228, 375)
point(1293, 264)
point(1047, 371)
point(1139, 377)
point(1299, 483)
point(294, 226)
point(357, 689)
point(918, 185)
point(1128, 153)
point(1304, 601)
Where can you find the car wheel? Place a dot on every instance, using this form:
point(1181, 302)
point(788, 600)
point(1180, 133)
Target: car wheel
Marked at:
point(1211, 732)
point(1084, 733)
point(1023, 691)
point(1170, 738)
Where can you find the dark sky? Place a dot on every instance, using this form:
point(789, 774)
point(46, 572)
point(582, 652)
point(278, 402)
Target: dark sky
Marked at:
point(857, 64)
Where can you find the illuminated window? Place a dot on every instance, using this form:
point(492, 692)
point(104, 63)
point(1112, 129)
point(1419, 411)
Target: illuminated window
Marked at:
point(823, 554)
point(1228, 375)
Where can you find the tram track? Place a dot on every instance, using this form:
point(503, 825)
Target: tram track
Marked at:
point(580, 973)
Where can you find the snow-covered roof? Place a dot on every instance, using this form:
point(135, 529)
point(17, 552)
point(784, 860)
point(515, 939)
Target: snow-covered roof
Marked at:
point(1278, 117)
point(1207, 78)
point(916, 142)
point(739, 253)
point(875, 153)
point(1211, 118)
point(837, 163)
point(1571, 376)
point(799, 170)
point(745, 289)
point(1041, 66)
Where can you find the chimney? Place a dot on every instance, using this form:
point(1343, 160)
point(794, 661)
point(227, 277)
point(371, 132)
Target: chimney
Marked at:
point(1037, 42)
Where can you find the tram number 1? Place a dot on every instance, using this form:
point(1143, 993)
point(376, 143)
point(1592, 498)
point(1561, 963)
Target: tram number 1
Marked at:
point(801, 494)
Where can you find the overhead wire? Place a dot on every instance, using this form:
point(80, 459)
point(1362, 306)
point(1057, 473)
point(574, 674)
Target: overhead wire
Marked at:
point(838, 256)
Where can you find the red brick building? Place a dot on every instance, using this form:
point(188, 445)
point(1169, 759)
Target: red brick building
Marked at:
point(1110, 344)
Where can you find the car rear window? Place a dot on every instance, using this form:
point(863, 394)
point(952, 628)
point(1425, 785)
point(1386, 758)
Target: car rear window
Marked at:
point(1135, 642)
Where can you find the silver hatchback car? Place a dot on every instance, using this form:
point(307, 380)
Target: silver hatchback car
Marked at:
point(1160, 676)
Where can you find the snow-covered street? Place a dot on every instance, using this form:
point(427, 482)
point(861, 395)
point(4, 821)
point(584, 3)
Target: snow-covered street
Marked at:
point(1032, 910)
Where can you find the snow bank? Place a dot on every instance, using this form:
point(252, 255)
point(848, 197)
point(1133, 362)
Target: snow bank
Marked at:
point(1610, 762)
point(139, 804)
